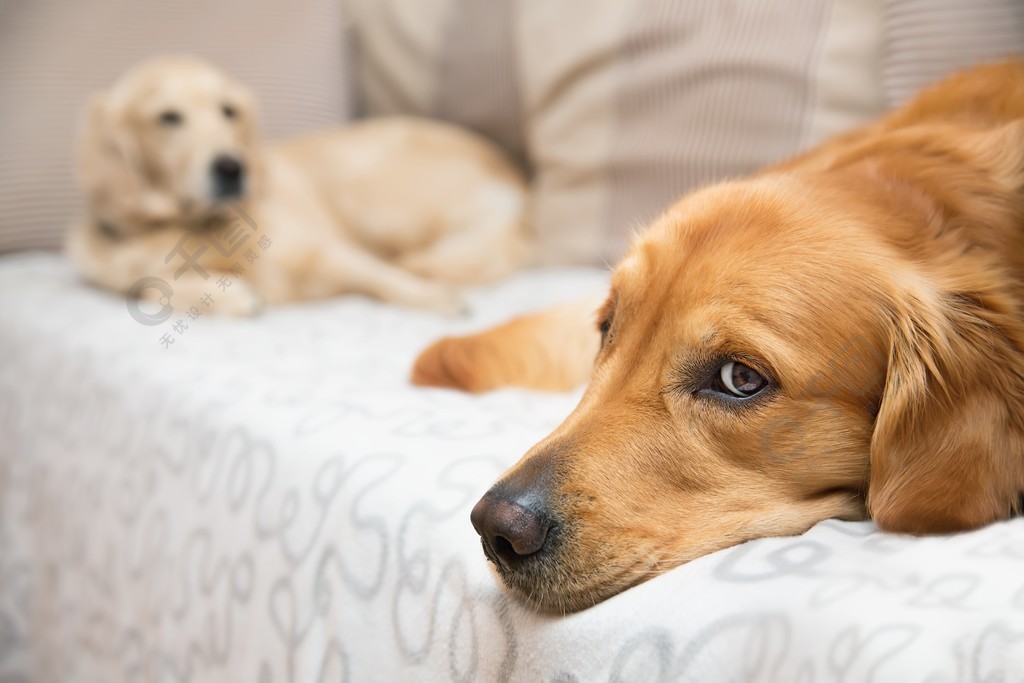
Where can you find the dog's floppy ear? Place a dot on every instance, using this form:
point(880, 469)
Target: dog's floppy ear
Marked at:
point(947, 452)
point(112, 172)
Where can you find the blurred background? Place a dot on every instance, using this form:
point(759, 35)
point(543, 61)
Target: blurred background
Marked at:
point(614, 107)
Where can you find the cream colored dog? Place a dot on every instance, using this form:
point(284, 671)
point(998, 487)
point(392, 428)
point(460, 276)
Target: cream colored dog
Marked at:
point(181, 191)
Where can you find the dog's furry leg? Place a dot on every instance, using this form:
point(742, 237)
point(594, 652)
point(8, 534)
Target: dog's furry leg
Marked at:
point(359, 271)
point(137, 268)
point(221, 293)
point(489, 242)
point(457, 258)
point(552, 350)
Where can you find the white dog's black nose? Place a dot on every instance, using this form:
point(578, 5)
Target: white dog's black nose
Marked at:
point(228, 176)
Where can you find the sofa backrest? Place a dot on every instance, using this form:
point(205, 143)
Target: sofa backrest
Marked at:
point(617, 107)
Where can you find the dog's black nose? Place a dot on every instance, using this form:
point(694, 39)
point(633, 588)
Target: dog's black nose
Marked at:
point(510, 529)
point(228, 176)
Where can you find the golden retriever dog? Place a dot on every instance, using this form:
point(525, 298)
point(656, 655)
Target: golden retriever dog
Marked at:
point(838, 336)
point(180, 187)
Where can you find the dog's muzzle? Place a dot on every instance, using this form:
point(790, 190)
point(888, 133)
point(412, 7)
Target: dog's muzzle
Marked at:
point(516, 520)
point(510, 531)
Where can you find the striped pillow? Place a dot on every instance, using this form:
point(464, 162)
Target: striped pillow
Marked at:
point(619, 106)
point(926, 39)
point(53, 54)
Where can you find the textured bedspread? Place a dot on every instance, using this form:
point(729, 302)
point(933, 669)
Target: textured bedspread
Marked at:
point(268, 500)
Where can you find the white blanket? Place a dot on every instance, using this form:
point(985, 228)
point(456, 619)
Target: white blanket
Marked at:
point(268, 500)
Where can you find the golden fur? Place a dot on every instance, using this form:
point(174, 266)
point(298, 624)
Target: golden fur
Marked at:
point(398, 209)
point(877, 282)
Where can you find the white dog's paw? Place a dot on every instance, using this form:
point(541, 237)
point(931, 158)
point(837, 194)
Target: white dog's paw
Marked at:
point(239, 300)
point(443, 300)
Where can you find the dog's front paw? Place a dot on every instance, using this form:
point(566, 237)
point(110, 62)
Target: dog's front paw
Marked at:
point(239, 300)
point(443, 300)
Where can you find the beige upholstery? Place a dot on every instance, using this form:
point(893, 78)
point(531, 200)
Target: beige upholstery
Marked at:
point(615, 107)
point(618, 106)
point(925, 39)
point(54, 53)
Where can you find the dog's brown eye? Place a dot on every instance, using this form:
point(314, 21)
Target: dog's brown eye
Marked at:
point(170, 118)
point(229, 111)
point(741, 380)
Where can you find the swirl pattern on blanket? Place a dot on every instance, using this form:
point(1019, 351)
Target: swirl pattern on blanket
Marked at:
point(269, 500)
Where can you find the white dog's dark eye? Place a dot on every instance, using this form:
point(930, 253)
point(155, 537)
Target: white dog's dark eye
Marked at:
point(170, 118)
point(740, 380)
point(229, 111)
point(604, 327)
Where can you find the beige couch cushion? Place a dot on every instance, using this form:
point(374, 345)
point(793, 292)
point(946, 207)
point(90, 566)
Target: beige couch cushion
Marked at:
point(619, 106)
point(925, 39)
point(54, 53)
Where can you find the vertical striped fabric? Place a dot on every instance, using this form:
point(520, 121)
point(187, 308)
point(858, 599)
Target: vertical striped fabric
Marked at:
point(708, 89)
point(480, 88)
point(397, 43)
point(926, 39)
point(53, 54)
point(622, 105)
point(616, 106)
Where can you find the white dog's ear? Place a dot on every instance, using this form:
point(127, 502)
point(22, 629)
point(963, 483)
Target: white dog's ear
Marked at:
point(107, 158)
point(112, 172)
